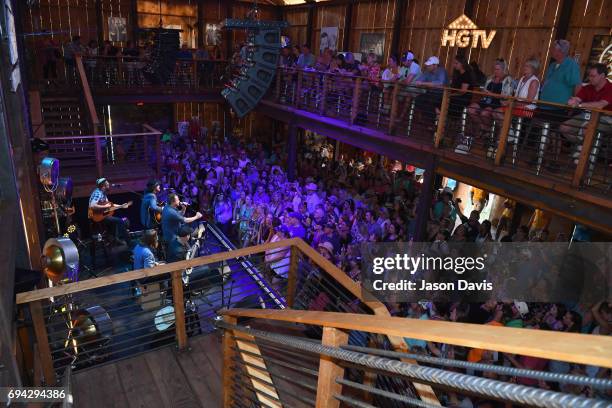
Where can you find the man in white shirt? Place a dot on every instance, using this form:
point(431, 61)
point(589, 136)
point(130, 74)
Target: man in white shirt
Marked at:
point(410, 70)
point(312, 199)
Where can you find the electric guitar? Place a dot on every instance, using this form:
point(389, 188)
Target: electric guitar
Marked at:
point(100, 215)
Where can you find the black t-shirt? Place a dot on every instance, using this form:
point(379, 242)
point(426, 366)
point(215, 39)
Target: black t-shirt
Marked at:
point(477, 314)
point(351, 67)
point(459, 79)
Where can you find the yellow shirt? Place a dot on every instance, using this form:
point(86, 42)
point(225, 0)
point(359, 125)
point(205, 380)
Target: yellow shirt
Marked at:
point(478, 194)
point(540, 219)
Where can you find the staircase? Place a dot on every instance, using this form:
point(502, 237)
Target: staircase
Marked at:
point(66, 117)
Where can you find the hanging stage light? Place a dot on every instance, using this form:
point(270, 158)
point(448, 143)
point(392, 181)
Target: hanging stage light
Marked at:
point(60, 260)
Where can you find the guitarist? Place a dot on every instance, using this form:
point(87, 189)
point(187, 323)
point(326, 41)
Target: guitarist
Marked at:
point(149, 207)
point(98, 202)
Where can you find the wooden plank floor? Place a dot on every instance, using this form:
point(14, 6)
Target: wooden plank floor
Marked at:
point(161, 378)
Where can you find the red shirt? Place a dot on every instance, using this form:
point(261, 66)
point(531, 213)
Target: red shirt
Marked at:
point(590, 94)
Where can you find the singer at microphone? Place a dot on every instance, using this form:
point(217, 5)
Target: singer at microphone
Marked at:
point(173, 218)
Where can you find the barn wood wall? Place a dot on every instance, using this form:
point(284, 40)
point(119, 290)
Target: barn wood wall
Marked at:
point(525, 28)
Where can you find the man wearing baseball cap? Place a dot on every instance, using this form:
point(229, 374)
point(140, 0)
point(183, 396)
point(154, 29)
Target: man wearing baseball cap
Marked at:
point(294, 226)
point(433, 77)
point(410, 70)
point(434, 74)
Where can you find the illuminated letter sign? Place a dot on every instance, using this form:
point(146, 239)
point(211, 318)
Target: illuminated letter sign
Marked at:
point(462, 32)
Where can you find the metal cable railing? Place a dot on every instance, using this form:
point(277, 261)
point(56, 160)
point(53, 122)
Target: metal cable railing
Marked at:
point(460, 382)
point(533, 137)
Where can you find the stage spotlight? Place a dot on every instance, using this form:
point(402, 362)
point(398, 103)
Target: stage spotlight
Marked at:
point(49, 171)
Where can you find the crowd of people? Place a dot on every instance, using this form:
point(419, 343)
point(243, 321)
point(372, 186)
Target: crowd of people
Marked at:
point(539, 96)
point(335, 205)
point(98, 57)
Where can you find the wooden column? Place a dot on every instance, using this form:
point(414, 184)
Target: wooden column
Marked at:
point(292, 152)
point(134, 29)
point(587, 145)
point(40, 330)
point(562, 24)
point(348, 23)
point(229, 13)
point(425, 200)
point(179, 309)
point(99, 22)
point(200, 22)
point(329, 370)
point(99, 166)
point(400, 11)
point(309, 24)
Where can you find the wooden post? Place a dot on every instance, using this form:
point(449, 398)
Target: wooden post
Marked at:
point(99, 156)
point(323, 94)
point(277, 90)
point(40, 330)
point(298, 88)
point(179, 309)
point(442, 119)
point(228, 355)
point(158, 157)
point(329, 370)
point(356, 96)
point(194, 76)
point(394, 106)
point(425, 199)
point(503, 135)
point(587, 145)
point(292, 277)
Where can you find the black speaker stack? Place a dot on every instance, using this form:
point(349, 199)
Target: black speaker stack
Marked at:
point(251, 81)
point(166, 44)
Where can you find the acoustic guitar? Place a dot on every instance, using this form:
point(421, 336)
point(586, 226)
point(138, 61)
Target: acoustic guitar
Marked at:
point(157, 215)
point(100, 215)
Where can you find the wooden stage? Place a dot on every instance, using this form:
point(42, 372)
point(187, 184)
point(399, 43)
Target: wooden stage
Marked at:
point(131, 176)
point(160, 378)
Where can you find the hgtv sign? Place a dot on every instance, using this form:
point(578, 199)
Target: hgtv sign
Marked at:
point(464, 33)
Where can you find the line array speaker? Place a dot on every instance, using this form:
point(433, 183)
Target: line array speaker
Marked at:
point(252, 81)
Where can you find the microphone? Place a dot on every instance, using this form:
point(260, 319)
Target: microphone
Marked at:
point(116, 185)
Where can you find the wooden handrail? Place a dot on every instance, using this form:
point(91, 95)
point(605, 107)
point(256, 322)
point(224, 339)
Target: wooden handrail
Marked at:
point(155, 132)
point(554, 345)
point(89, 102)
point(39, 294)
point(451, 89)
point(379, 309)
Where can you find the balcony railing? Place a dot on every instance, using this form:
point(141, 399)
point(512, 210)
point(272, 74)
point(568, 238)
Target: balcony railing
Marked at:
point(105, 152)
point(557, 143)
point(130, 74)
